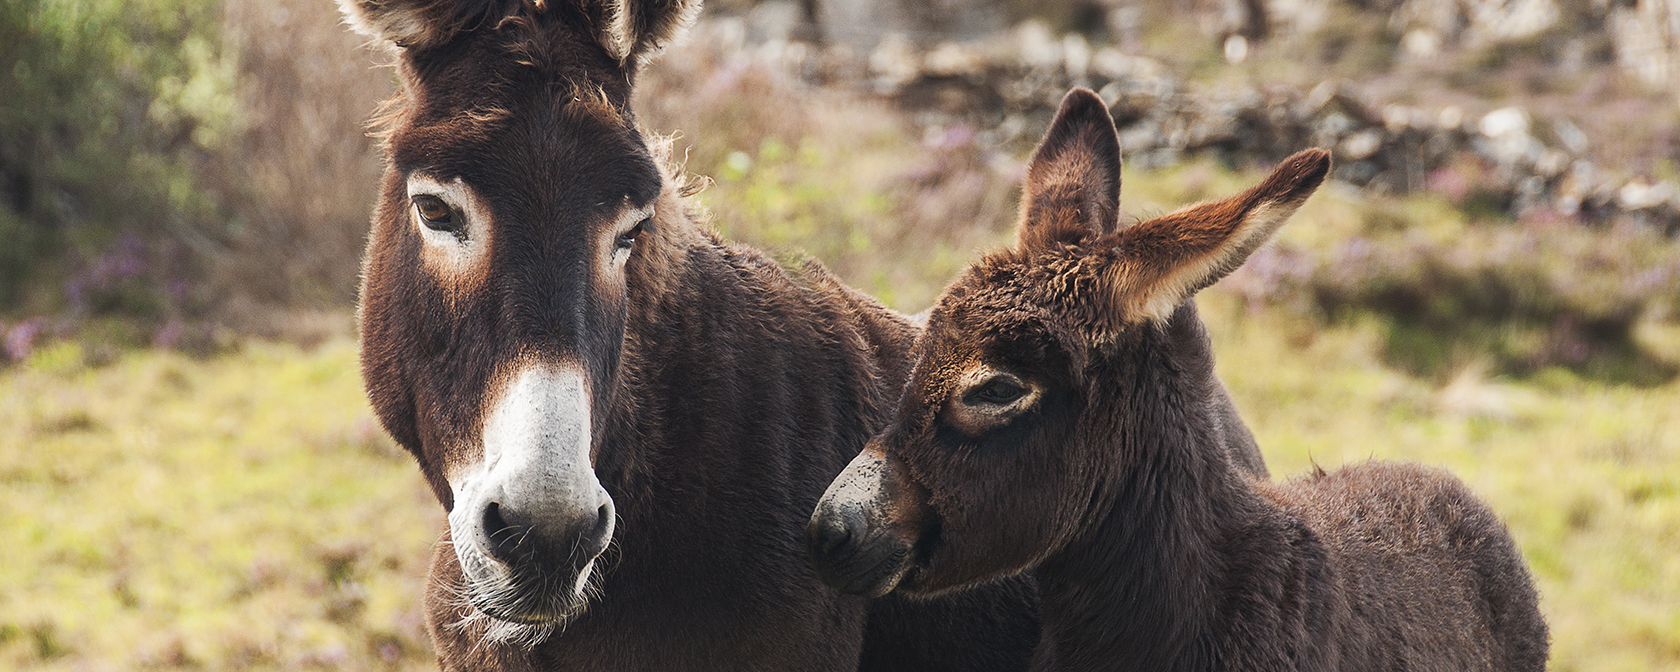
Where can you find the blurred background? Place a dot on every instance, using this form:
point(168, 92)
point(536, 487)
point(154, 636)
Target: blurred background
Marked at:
point(190, 477)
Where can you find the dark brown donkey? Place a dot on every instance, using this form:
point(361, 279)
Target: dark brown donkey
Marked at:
point(1062, 418)
point(627, 419)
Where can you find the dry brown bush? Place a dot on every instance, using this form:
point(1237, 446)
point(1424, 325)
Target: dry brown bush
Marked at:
point(308, 85)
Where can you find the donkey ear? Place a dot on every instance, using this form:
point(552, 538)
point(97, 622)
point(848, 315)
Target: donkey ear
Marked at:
point(407, 24)
point(1163, 261)
point(631, 31)
point(1073, 179)
point(639, 29)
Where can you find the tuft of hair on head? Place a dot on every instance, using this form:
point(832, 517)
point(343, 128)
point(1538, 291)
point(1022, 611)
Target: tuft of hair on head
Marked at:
point(1144, 271)
point(663, 147)
point(1072, 188)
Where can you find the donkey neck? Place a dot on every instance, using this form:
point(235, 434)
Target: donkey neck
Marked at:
point(1148, 583)
point(739, 369)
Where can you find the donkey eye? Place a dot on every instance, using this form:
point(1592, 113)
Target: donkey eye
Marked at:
point(434, 213)
point(628, 238)
point(998, 391)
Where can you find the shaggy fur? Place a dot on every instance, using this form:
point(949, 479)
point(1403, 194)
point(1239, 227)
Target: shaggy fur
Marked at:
point(1059, 421)
point(726, 391)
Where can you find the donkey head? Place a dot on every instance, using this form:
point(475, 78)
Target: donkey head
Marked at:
point(521, 219)
point(984, 472)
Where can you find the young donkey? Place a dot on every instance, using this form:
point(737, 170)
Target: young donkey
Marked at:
point(1062, 419)
point(627, 419)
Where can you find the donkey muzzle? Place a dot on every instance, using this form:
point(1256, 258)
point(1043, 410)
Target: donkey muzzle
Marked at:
point(531, 518)
point(863, 534)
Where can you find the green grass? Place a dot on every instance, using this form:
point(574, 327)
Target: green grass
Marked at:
point(239, 512)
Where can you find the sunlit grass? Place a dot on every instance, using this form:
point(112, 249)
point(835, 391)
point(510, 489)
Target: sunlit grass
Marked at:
point(241, 512)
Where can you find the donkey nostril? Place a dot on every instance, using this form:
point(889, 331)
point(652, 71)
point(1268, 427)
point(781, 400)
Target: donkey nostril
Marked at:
point(600, 534)
point(603, 518)
point(828, 534)
point(504, 538)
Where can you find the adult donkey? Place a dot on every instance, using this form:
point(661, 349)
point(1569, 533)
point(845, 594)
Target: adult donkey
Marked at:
point(627, 419)
point(1063, 418)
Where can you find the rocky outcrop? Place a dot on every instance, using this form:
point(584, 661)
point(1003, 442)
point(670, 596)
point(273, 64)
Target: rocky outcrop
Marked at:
point(1006, 87)
point(1647, 39)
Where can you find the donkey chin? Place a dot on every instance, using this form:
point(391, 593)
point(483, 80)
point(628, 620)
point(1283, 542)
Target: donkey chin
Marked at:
point(869, 568)
point(526, 593)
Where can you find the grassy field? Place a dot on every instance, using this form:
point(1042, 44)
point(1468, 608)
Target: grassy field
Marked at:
point(238, 512)
point(243, 511)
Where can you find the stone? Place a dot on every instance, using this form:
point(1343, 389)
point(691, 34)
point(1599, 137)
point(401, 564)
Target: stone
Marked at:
point(1570, 135)
point(1076, 56)
point(1236, 49)
point(1647, 41)
point(1330, 129)
point(952, 59)
point(1397, 118)
point(774, 21)
point(1320, 96)
point(1504, 122)
point(1551, 164)
point(1507, 20)
point(1111, 93)
point(894, 63)
point(1037, 48)
point(1640, 194)
point(1421, 44)
point(1024, 73)
point(1362, 145)
point(1451, 118)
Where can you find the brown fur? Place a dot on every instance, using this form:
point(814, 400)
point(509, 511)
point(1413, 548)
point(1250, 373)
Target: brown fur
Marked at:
point(1060, 421)
point(724, 391)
